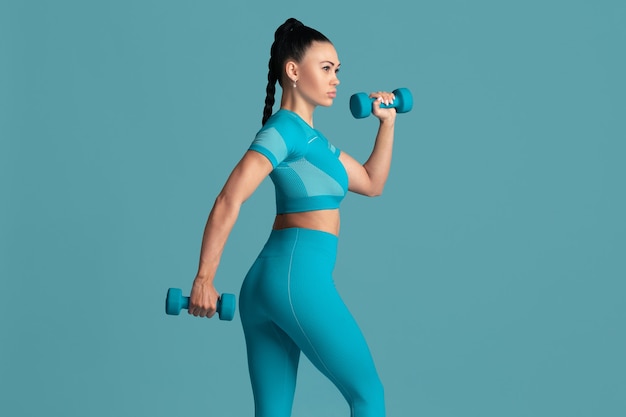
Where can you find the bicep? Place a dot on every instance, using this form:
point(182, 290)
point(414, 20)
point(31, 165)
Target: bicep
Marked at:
point(358, 178)
point(246, 177)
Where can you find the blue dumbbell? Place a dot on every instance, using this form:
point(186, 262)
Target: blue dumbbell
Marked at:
point(175, 301)
point(361, 103)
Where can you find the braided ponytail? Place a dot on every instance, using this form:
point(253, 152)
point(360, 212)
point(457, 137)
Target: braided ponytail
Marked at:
point(269, 97)
point(291, 41)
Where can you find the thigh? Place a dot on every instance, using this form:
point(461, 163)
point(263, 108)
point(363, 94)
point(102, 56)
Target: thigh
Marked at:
point(272, 355)
point(273, 365)
point(329, 336)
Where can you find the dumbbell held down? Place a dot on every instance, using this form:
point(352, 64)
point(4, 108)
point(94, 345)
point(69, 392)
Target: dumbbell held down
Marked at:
point(361, 103)
point(175, 301)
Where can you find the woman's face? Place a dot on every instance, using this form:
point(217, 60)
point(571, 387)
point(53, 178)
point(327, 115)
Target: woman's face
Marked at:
point(316, 74)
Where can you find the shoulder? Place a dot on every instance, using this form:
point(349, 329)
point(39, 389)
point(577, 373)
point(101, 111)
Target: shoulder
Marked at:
point(281, 138)
point(286, 127)
point(287, 124)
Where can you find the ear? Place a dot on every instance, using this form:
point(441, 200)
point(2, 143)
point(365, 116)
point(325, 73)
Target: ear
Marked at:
point(291, 69)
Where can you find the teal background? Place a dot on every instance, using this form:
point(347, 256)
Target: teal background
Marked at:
point(488, 279)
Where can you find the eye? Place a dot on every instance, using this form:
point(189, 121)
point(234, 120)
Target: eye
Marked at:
point(326, 68)
point(337, 71)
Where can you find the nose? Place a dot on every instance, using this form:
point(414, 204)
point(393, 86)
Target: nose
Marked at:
point(335, 81)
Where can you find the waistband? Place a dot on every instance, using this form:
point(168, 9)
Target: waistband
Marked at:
point(298, 241)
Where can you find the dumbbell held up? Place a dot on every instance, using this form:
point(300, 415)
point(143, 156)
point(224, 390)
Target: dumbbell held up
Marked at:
point(361, 103)
point(175, 301)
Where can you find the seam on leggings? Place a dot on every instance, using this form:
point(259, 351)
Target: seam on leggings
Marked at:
point(281, 337)
point(293, 312)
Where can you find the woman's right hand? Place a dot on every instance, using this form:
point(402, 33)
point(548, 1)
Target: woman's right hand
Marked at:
point(203, 298)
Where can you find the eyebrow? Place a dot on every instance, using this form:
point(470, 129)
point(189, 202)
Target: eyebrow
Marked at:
point(331, 63)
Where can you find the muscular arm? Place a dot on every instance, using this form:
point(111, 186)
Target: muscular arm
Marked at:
point(244, 179)
point(369, 178)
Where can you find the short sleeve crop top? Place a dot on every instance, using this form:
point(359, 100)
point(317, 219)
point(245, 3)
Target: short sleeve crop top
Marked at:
point(307, 173)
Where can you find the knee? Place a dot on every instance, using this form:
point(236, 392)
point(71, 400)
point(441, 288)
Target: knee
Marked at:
point(370, 401)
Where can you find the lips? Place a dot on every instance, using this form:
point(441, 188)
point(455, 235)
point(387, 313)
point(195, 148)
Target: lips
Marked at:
point(332, 94)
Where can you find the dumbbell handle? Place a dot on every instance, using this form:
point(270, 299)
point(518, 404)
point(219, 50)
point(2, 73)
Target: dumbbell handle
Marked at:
point(391, 105)
point(175, 301)
point(185, 303)
point(361, 103)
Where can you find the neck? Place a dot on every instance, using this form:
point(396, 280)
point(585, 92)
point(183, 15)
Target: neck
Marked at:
point(292, 102)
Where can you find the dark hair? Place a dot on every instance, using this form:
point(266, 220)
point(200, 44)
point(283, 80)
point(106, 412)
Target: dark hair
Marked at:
point(291, 41)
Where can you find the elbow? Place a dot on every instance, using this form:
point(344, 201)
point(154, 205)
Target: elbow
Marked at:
point(369, 190)
point(375, 192)
point(375, 185)
point(228, 202)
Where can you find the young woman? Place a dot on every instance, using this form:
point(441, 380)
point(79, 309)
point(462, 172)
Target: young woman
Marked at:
point(288, 301)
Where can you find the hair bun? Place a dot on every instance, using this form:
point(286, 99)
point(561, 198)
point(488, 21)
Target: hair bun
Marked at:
point(289, 26)
point(293, 23)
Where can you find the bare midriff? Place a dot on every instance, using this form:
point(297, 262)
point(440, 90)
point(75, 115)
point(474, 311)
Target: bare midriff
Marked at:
point(323, 220)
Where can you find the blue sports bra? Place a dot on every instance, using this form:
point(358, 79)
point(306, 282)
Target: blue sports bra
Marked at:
point(307, 173)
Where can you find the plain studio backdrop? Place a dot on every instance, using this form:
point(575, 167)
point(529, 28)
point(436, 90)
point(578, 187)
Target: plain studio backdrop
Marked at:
point(488, 278)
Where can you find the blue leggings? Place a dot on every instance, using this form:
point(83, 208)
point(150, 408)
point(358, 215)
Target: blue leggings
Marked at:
point(288, 305)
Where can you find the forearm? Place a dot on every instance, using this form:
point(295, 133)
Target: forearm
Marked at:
point(379, 162)
point(218, 227)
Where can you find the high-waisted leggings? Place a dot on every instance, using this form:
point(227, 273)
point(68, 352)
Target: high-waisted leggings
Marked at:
point(289, 304)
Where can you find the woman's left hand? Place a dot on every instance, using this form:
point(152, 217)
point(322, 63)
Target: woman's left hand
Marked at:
point(383, 114)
